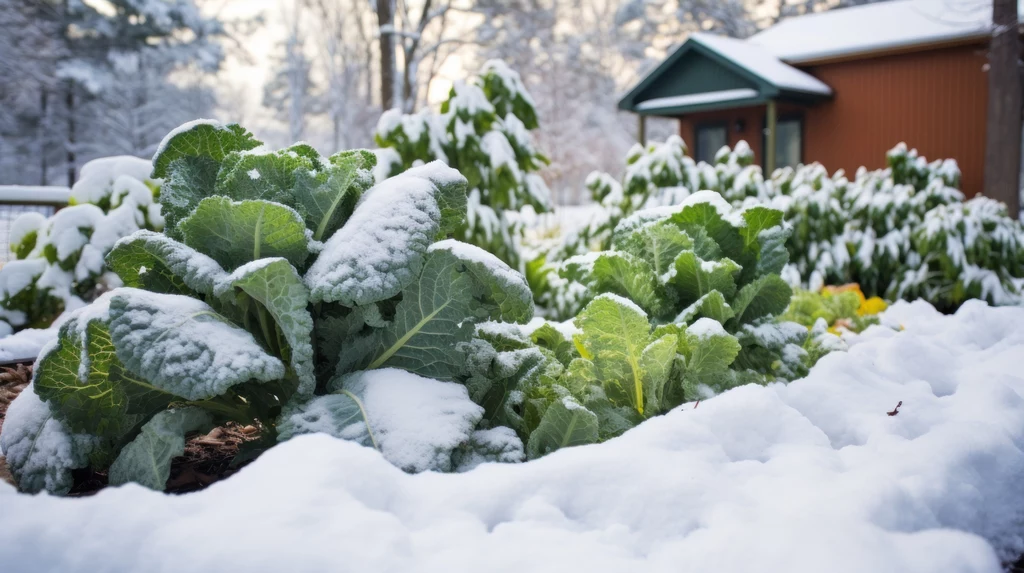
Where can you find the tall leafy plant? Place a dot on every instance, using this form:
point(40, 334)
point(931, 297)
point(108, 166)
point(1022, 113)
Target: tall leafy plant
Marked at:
point(483, 131)
point(286, 293)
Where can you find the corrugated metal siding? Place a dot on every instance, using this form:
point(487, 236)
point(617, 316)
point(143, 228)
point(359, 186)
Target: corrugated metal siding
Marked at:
point(935, 101)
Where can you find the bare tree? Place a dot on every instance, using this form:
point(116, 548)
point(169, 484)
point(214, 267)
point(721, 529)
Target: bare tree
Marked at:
point(1003, 128)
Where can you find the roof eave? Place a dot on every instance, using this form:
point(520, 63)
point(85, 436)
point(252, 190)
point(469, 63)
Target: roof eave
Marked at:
point(675, 111)
point(836, 56)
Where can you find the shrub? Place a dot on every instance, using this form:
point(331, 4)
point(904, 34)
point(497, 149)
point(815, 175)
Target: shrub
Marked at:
point(59, 260)
point(483, 131)
point(284, 295)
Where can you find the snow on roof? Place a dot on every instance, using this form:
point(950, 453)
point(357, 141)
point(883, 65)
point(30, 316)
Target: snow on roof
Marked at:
point(874, 27)
point(695, 99)
point(762, 63)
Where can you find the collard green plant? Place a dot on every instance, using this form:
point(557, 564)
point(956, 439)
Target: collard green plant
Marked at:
point(286, 294)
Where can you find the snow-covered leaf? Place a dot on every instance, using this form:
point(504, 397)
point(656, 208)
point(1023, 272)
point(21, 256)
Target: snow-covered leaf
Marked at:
point(382, 247)
point(417, 422)
point(566, 423)
point(180, 345)
point(157, 263)
point(201, 138)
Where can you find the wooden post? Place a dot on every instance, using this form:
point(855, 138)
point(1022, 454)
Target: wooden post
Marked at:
point(641, 133)
point(769, 153)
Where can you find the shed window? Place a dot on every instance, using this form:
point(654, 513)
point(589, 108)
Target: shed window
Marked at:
point(710, 138)
point(789, 142)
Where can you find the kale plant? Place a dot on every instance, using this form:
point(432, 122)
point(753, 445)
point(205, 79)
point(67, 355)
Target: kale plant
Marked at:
point(286, 293)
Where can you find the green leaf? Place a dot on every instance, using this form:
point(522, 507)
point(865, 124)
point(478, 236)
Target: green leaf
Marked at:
point(565, 423)
point(459, 285)
point(192, 179)
point(147, 459)
point(76, 379)
point(326, 200)
point(275, 285)
point(617, 338)
point(708, 215)
point(708, 352)
point(658, 243)
point(766, 296)
point(695, 278)
point(266, 176)
point(181, 346)
point(208, 139)
point(157, 263)
point(758, 219)
point(498, 376)
point(618, 273)
point(382, 247)
point(235, 233)
point(711, 305)
point(547, 336)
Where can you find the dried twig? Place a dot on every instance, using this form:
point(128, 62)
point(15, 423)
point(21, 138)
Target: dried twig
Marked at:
point(697, 404)
point(896, 410)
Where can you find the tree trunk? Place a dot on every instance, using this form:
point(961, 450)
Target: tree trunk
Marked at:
point(1003, 129)
point(69, 145)
point(386, 22)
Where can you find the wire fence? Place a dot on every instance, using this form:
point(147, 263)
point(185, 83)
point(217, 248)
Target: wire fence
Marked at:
point(15, 200)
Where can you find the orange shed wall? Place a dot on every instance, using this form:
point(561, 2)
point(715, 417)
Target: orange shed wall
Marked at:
point(935, 101)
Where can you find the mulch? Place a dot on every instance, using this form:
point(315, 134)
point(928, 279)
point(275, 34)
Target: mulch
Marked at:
point(207, 459)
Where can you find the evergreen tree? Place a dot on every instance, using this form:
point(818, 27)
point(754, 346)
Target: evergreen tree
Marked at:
point(483, 131)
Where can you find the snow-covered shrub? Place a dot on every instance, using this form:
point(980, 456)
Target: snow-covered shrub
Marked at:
point(59, 262)
point(483, 131)
point(287, 294)
point(685, 305)
point(901, 232)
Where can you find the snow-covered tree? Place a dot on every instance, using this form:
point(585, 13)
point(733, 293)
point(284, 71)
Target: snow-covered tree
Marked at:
point(483, 130)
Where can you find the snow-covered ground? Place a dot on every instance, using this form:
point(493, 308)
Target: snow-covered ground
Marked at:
point(809, 477)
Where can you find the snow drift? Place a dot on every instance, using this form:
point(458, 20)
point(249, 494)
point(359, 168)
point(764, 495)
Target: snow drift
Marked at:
point(813, 476)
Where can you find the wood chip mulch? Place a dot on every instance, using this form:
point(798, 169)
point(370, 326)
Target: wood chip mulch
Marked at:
point(207, 459)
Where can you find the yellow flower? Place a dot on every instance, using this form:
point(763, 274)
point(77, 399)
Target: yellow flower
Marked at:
point(873, 305)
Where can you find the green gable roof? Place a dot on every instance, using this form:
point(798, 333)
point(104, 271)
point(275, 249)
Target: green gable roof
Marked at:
point(710, 72)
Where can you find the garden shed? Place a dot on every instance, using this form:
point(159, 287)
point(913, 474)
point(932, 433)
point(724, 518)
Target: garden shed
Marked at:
point(837, 87)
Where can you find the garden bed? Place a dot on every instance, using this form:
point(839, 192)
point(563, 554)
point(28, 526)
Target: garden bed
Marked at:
point(817, 475)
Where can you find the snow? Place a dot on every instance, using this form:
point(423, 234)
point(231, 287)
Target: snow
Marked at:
point(755, 59)
point(695, 99)
point(417, 422)
point(34, 194)
point(25, 345)
point(100, 177)
point(875, 27)
point(15, 276)
point(809, 477)
point(705, 328)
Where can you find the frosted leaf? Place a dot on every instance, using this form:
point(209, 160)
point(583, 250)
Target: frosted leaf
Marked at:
point(382, 247)
point(157, 263)
point(495, 445)
point(40, 449)
point(179, 344)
